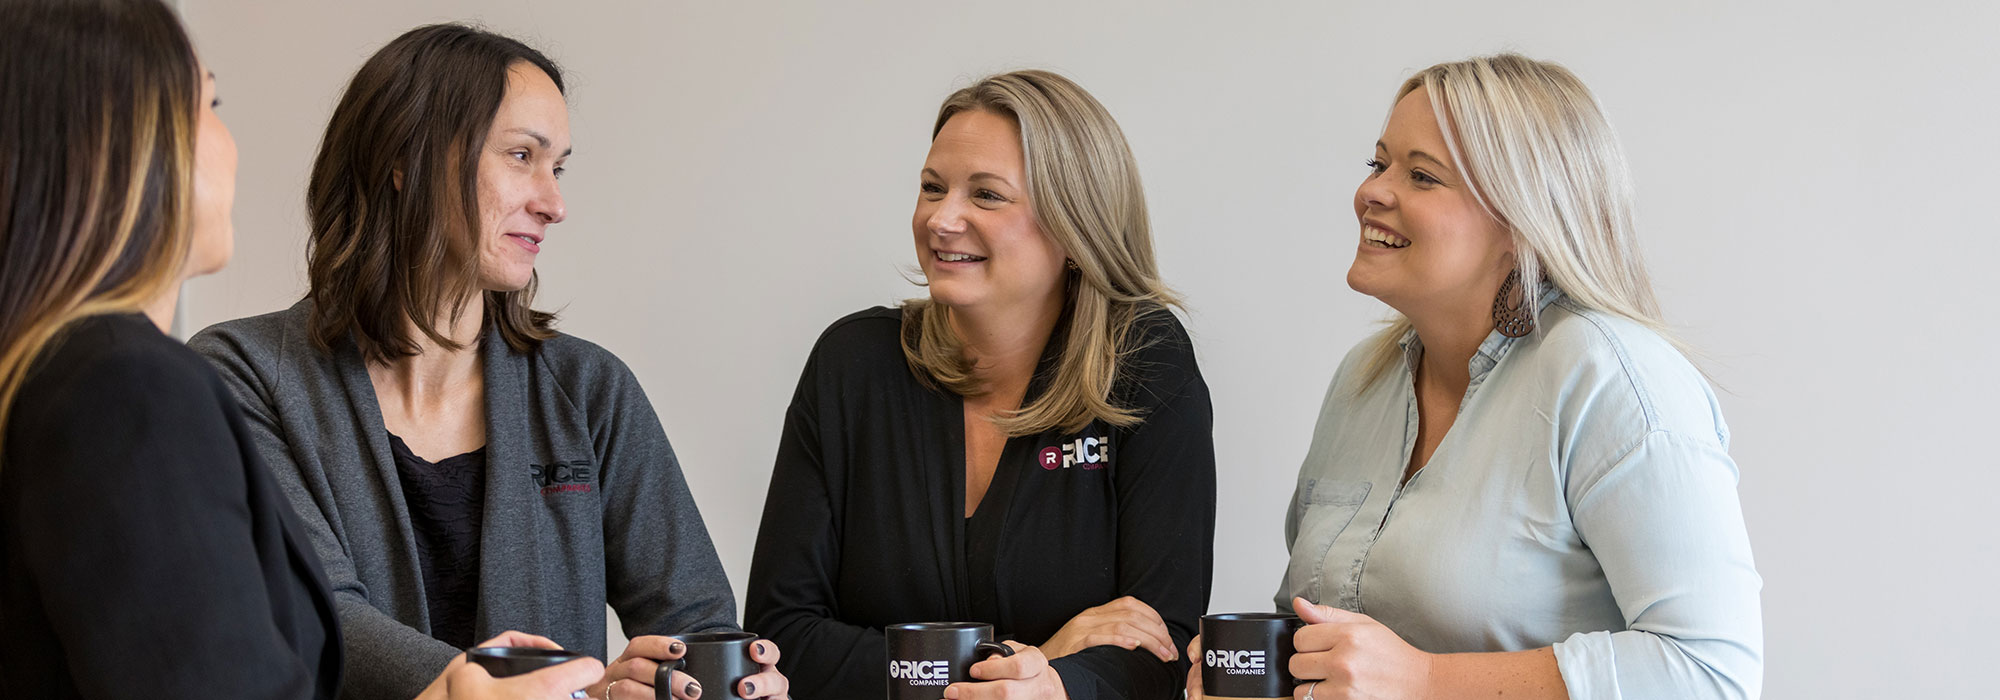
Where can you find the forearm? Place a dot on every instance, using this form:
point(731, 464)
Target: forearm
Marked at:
point(386, 658)
point(1517, 675)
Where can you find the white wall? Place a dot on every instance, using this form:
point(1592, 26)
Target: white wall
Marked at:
point(1816, 185)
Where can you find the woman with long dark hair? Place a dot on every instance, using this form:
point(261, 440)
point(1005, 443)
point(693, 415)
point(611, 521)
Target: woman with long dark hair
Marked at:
point(145, 550)
point(462, 466)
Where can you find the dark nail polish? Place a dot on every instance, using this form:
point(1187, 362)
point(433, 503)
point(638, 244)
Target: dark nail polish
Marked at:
point(677, 648)
point(749, 689)
point(693, 690)
point(761, 650)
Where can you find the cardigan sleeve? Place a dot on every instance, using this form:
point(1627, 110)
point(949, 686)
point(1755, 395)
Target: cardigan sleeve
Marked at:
point(1666, 526)
point(662, 574)
point(792, 598)
point(384, 657)
point(140, 536)
point(1166, 535)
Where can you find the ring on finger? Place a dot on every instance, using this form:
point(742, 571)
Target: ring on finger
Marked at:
point(614, 684)
point(1310, 689)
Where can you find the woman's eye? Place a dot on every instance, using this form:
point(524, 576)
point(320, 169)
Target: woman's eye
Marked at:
point(519, 155)
point(1375, 165)
point(1424, 178)
point(989, 195)
point(559, 171)
point(931, 188)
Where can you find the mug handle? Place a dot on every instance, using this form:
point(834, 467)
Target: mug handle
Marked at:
point(987, 650)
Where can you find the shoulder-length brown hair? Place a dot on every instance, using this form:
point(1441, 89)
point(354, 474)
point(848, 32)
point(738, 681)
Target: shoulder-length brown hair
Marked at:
point(97, 122)
point(394, 196)
point(1084, 186)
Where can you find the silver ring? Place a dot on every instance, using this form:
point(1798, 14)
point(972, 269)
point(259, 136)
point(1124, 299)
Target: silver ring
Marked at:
point(614, 684)
point(1309, 690)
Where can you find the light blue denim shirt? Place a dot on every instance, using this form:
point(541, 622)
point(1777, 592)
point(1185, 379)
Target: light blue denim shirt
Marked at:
point(1584, 498)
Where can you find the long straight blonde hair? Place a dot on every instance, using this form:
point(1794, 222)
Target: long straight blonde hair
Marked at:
point(1541, 158)
point(97, 127)
point(1084, 187)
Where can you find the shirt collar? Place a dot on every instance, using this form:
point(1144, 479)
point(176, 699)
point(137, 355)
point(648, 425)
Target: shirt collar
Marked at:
point(1491, 350)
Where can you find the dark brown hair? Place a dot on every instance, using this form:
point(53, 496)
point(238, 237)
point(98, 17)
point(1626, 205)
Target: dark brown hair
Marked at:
point(98, 109)
point(394, 195)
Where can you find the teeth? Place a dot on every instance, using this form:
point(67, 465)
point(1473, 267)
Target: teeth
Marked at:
point(1383, 237)
point(958, 257)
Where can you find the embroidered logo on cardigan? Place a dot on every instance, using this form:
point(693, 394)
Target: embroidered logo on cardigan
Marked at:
point(571, 476)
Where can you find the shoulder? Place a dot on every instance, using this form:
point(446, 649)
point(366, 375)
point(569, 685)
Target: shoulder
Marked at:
point(254, 339)
point(1159, 362)
point(1622, 367)
point(115, 369)
point(873, 330)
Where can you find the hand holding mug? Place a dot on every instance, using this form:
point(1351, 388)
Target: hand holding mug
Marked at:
point(462, 680)
point(652, 658)
point(1351, 655)
point(1126, 623)
point(1025, 675)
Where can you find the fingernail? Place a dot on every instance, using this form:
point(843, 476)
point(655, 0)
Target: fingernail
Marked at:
point(761, 650)
point(749, 689)
point(677, 648)
point(693, 689)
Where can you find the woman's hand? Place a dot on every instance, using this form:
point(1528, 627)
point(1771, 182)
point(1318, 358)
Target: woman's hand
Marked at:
point(1194, 689)
point(1350, 655)
point(469, 681)
point(631, 676)
point(1125, 622)
point(1024, 676)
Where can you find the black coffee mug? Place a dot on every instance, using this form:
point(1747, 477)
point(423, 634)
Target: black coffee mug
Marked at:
point(719, 661)
point(1247, 655)
point(924, 657)
point(501, 662)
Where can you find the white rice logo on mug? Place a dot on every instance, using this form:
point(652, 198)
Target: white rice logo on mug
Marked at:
point(1236, 663)
point(921, 672)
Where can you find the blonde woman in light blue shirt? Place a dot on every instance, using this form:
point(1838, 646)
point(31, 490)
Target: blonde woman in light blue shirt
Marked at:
point(1522, 485)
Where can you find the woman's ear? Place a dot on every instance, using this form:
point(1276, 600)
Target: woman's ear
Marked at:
point(396, 179)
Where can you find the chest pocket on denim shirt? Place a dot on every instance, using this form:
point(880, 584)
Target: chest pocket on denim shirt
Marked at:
point(1327, 506)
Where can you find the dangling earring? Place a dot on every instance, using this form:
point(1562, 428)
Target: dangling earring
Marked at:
point(1511, 315)
point(1071, 264)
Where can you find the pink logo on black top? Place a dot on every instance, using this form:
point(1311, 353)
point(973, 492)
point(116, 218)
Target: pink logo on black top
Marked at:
point(1085, 452)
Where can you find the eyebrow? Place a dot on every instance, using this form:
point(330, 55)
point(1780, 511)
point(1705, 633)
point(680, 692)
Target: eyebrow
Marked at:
point(1417, 154)
point(539, 138)
point(981, 175)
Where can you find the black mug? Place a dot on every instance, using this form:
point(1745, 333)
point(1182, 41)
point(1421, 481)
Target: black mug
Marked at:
point(1247, 655)
point(501, 662)
point(924, 657)
point(719, 661)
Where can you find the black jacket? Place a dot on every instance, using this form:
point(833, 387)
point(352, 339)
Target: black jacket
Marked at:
point(864, 526)
point(145, 550)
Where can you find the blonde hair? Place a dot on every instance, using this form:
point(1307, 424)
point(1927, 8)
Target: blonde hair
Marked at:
point(1084, 187)
point(96, 161)
point(1541, 158)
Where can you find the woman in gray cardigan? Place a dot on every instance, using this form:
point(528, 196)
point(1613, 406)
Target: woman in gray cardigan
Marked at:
point(461, 467)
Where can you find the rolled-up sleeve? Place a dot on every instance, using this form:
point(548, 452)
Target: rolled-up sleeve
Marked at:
point(1666, 526)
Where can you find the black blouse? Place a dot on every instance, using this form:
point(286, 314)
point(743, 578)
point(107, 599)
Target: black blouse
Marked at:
point(864, 523)
point(447, 501)
point(145, 550)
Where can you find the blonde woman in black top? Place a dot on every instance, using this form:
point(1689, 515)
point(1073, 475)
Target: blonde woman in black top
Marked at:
point(144, 549)
point(1029, 447)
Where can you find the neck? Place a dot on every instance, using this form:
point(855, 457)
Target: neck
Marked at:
point(1005, 344)
point(436, 369)
point(161, 309)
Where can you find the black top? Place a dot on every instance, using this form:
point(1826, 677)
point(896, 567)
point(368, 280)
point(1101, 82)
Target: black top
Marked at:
point(446, 501)
point(145, 551)
point(864, 524)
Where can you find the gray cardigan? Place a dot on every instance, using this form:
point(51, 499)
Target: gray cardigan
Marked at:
point(585, 503)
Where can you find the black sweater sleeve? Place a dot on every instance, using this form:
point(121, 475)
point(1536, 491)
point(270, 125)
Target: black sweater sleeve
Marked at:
point(1166, 534)
point(791, 598)
point(134, 523)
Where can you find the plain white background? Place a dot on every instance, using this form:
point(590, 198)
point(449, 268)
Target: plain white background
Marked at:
point(1816, 183)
